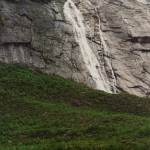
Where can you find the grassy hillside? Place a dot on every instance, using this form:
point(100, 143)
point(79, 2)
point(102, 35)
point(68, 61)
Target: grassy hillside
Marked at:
point(39, 112)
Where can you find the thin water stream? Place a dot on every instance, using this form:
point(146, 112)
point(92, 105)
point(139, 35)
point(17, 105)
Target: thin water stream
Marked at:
point(74, 16)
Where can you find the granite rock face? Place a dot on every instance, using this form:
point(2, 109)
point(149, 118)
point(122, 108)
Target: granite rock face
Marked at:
point(40, 34)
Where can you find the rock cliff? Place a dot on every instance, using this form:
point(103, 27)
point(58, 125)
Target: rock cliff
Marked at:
point(104, 44)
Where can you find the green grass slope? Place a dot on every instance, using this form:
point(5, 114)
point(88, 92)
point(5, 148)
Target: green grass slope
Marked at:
point(40, 112)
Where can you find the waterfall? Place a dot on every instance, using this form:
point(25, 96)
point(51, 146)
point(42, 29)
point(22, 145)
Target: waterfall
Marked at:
point(107, 60)
point(74, 16)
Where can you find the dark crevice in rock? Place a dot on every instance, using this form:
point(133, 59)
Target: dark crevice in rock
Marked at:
point(59, 56)
point(144, 39)
point(24, 15)
point(145, 50)
point(75, 45)
point(145, 70)
point(49, 61)
point(119, 89)
point(93, 40)
point(137, 86)
point(106, 55)
point(26, 44)
point(23, 44)
point(142, 50)
point(142, 80)
point(74, 65)
point(59, 20)
point(25, 1)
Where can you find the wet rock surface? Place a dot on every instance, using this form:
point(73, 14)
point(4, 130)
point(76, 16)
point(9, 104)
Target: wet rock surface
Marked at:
point(38, 34)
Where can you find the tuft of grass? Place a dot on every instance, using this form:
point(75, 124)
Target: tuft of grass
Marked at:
point(40, 112)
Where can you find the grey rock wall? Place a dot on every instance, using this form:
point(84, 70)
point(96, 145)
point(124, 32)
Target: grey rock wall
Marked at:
point(36, 33)
point(127, 29)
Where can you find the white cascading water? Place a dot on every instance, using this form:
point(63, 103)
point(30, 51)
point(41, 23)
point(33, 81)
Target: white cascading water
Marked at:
point(74, 16)
point(106, 51)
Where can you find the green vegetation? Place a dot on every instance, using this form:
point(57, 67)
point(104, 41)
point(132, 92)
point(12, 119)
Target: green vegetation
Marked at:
point(39, 112)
